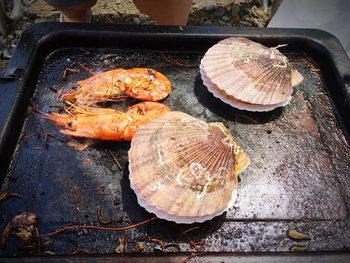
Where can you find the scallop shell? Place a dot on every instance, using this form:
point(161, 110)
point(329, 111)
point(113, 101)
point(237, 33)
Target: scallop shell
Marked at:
point(235, 102)
point(246, 72)
point(183, 169)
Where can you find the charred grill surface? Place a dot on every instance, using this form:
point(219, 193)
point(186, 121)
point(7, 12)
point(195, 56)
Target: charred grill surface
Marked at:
point(298, 177)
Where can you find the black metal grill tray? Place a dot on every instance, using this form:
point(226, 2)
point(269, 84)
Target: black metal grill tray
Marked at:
point(298, 177)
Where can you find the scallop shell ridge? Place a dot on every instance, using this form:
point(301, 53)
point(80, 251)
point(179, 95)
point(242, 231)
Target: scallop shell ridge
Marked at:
point(232, 101)
point(249, 71)
point(187, 173)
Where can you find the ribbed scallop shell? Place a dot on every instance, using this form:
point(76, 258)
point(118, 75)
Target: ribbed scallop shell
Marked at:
point(218, 93)
point(183, 169)
point(248, 72)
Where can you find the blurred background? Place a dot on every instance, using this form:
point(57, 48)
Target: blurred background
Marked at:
point(24, 13)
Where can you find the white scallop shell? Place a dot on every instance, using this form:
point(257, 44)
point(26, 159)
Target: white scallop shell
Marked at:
point(248, 72)
point(232, 101)
point(183, 169)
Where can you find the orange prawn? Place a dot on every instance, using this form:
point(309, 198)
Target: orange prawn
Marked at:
point(106, 124)
point(139, 83)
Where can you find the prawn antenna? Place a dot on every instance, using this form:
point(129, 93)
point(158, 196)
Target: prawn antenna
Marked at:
point(41, 113)
point(74, 108)
point(88, 70)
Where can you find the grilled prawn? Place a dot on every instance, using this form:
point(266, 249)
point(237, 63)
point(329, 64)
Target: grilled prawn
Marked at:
point(106, 124)
point(139, 83)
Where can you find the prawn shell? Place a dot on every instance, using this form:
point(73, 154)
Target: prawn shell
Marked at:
point(249, 72)
point(104, 123)
point(156, 85)
point(183, 169)
point(140, 83)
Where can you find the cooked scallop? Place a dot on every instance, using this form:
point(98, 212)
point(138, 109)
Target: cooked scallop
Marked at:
point(235, 102)
point(248, 75)
point(183, 169)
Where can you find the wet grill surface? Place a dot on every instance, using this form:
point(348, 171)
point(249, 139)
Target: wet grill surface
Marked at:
point(298, 177)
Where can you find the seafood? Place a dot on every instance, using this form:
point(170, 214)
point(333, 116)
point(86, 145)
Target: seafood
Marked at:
point(106, 124)
point(139, 83)
point(183, 169)
point(248, 75)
